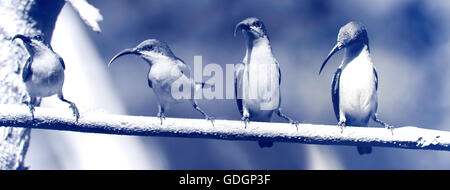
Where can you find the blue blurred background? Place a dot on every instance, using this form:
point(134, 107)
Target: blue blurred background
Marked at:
point(409, 42)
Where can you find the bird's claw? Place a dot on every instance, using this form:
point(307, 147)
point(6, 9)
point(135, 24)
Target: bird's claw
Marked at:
point(76, 113)
point(161, 117)
point(341, 126)
point(32, 114)
point(389, 127)
point(211, 119)
point(31, 107)
point(245, 119)
point(296, 124)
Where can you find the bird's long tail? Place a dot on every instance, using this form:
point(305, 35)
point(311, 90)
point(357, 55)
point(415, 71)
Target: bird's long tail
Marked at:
point(364, 149)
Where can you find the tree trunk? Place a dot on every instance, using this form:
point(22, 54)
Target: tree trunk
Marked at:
point(27, 17)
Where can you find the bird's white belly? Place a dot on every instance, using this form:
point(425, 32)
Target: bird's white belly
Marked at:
point(357, 93)
point(163, 91)
point(46, 80)
point(262, 89)
point(162, 80)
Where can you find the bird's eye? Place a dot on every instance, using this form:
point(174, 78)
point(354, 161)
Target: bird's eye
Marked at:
point(258, 24)
point(38, 37)
point(147, 48)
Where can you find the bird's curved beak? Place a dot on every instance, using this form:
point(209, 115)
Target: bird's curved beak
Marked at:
point(133, 51)
point(335, 49)
point(22, 37)
point(240, 26)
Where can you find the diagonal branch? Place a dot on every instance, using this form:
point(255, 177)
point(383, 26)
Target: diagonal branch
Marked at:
point(94, 122)
point(88, 13)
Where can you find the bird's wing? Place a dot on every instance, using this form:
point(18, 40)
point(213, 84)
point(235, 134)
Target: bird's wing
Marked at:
point(238, 73)
point(26, 71)
point(335, 92)
point(150, 83)
point(279, 81)
point(279, 72)
point(62, 63)
point(184, 68)
point(376, 78)
point(186, 71)
point(60, 59)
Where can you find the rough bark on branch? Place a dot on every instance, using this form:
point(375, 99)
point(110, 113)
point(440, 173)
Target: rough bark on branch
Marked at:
point(93, 122)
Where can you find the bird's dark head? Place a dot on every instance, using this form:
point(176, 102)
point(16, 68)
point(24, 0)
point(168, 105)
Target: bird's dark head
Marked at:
point(353, 34)
point(252, 27)
point(31, 43)
point(147, 49)
point(154, 46)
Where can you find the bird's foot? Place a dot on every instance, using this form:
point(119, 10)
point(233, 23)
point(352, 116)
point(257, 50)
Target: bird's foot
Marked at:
point(72, 106)
point(295, 123)
point(341, 125)
point(75, 111)
point(31, 107)
point(161, 116)
point(386, 125)
point(245, 119)
point(211, 119)
point(389, 127)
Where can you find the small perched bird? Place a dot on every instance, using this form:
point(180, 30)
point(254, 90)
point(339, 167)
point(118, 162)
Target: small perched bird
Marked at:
point(259, 77)
point(165, 70)
point(43, 73)
point(355, 83)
